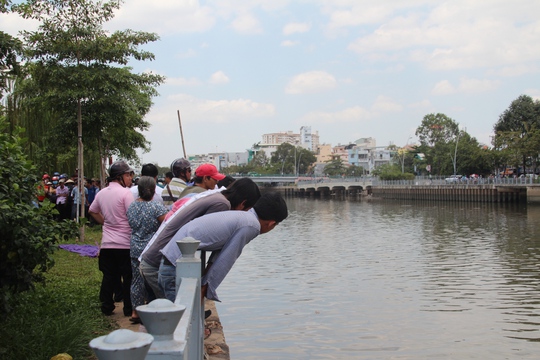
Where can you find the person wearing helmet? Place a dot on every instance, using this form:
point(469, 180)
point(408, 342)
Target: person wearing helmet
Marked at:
point(109, 208)
point(43, 189)
point(181, 169)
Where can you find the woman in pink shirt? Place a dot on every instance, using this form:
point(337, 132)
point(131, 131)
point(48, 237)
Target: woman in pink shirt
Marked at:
point(109, 208)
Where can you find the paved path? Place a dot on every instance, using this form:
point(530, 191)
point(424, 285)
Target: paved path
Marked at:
point(215, 345)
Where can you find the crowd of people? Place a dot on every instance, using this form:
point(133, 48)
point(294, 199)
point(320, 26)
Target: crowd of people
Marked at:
point(61, 190)
point(142, 222)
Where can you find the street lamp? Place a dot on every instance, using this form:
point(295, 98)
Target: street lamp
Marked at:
point(455, 151)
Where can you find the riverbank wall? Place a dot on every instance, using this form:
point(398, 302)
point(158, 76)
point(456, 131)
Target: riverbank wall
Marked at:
point(461, 193)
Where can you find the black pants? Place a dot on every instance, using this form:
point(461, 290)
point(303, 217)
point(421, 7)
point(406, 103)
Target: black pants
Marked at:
point(115, 264)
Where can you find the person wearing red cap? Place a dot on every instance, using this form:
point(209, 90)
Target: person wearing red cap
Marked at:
point(206, 178)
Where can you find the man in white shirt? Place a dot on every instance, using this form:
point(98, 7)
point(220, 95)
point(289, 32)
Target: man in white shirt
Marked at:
point(152, 171)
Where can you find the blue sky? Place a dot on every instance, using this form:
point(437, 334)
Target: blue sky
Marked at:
point(347, 68)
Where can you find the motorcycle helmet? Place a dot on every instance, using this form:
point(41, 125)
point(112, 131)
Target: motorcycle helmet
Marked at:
point(119, 168)
point(179, 165)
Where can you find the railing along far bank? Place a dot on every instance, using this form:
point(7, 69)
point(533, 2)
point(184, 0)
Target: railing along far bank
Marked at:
point(491, 189)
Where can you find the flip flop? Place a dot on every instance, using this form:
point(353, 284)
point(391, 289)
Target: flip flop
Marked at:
point(135, 320)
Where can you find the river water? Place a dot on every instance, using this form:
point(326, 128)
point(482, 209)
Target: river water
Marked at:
point(348, 279)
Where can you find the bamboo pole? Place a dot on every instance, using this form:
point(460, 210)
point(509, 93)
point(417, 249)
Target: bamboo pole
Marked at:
point(181, 134)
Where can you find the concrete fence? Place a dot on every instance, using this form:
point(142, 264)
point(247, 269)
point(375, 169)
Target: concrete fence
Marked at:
point(174, 330)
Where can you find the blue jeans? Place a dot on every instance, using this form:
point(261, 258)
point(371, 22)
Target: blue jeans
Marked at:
point(167, 280)
point(150, 275)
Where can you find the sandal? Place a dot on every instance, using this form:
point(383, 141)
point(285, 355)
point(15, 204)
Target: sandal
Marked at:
point(135, 320)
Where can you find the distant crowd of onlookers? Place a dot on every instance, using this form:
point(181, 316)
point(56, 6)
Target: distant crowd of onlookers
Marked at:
point(61, 190)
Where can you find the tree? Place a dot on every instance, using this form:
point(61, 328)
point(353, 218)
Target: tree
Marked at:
point(77, 70)
point(259, 160)
point(355, 170)
point(10, 48)
point(391, 172)
point(335, 167)
point(28, 231)
point(517, 132)
point(437, 135)
point(283, 159)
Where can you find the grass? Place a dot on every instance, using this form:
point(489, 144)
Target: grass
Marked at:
point(61, 316)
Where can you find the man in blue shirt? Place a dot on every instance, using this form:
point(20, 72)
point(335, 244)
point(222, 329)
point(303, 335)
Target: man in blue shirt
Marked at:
point(225, 234)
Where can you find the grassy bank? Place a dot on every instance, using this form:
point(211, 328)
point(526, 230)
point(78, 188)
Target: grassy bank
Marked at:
point(63, 315)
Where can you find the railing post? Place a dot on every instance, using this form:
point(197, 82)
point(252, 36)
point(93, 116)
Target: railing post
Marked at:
point(122, 344)
point(188, 267)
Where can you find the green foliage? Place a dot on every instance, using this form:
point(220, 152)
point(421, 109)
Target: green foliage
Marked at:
point(73, 61)
point(28, 231)
point(335, 167)
point(288, 159)
point(10, 48)
point(517, 133)
point(392, 172)
point(61, 315)
point(354, 170)
point(443, 143)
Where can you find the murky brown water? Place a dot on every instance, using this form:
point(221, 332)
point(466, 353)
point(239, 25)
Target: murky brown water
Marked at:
point(380, 280)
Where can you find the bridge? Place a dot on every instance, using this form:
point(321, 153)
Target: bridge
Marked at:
point(421, 188)
point(304, 181)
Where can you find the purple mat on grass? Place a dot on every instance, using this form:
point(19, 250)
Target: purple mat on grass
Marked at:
point(83, 250)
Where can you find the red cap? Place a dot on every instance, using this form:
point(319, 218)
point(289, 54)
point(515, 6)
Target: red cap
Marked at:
point(209, 170)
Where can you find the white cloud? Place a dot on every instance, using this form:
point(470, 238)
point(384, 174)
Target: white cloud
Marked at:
point(456, 35)
point(515, 70)
point(219, 77)
point(534, 93)
point(289, 43)
point(443, 88)
point(293, 28)
point(205, 111)
point(384, 104)
point(421, 105)
point(187, 54)
point(246, 23)
point(352, 114)
point(13, 23)
point(179, 81)
point(311, 82)
point(164, 17)
point(471, 86)
point(466, 86)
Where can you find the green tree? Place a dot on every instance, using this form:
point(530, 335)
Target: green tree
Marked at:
point(288, 159)
point(392, 172)
point(517, 132)
point(335, 167)
point(355, 170)
point(28, 231)
point(73, 63)
point(259, 160)
point(437, 134)
point(10, 48)
point(283, 159)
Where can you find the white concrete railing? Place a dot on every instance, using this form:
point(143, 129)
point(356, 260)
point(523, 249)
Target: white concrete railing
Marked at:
point(181, 341)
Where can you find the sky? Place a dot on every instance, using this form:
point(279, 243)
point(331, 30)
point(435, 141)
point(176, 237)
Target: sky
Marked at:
point(350, 69)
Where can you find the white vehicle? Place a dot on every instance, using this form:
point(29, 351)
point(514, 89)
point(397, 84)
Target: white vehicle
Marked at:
point(453, 179)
